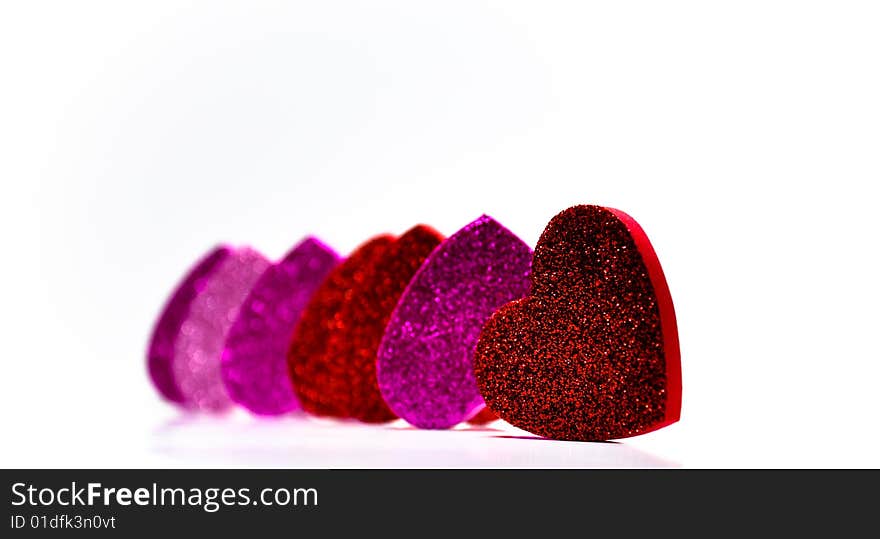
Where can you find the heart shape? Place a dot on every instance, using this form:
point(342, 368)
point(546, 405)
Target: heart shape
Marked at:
point(592, 353)
point(332, 356)
point(198, 348)
point(254, 361)
point(160, 354)
point(425, 364)
point(320, 380)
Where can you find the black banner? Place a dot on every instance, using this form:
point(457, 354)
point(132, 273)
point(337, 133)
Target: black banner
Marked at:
point(410, 502)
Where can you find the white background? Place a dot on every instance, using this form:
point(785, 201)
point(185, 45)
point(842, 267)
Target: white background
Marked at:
point(743, 136)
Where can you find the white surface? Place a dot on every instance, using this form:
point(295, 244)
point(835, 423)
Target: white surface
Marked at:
point(743, 136)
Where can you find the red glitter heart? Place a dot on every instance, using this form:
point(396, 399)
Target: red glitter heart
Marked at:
point(592, 354)
point(320, 382)
point(332, 356)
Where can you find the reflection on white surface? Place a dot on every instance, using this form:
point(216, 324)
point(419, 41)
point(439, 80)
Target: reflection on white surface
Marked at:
point(310, 443)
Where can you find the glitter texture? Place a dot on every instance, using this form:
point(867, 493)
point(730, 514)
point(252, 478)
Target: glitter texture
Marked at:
point(167, 328)
point(333, 353)
point(367, 314)
point(425, 361)
point(254, 363)
point(199, 347)
point(592, 353)
point(319, 382)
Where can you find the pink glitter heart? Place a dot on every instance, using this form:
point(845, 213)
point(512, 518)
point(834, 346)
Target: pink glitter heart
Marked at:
point(198, 348)
point(254, 363)
point(425, 362)
point(161, 349)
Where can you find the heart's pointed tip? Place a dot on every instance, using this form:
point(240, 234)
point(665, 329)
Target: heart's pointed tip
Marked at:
point(490, 227)
point(481, 225)
point(222, 247)
point(311, 246)
point(311, 242)
point(485, 219)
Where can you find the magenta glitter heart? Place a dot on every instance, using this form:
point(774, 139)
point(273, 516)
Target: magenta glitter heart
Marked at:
point(198, 348)
point(167, 329)
point(425, 362)
point(254, 363)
